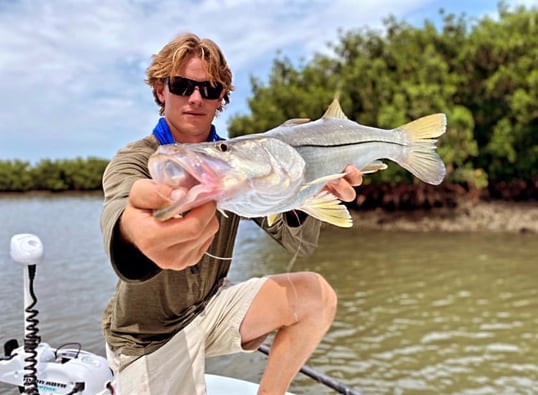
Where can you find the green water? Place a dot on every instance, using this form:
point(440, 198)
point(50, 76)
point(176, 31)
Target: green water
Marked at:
point(418, 313)
point(423, 313)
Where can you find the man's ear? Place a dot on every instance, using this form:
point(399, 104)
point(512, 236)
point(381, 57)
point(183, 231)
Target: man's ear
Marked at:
point(159, 87)
point(220, 107)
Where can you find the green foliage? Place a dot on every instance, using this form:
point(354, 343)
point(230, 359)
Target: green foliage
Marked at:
point(15, 176)
point(481, 73)
point(48, 175)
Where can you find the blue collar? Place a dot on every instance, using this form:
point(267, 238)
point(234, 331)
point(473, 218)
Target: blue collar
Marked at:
point(164, 135)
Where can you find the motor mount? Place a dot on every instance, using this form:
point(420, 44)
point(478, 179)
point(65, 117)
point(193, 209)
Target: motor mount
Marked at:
point(37, 368)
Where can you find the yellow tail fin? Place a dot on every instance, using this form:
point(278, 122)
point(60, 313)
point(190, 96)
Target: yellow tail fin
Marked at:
point(422, 160)
point(428, 127)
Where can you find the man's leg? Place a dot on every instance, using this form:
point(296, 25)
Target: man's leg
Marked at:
point(176, 368)
point(301, 307)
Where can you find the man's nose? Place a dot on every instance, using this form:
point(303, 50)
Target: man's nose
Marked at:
point(196, 95)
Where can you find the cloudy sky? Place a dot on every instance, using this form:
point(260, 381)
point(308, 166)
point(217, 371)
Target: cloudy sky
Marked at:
point(72, 71)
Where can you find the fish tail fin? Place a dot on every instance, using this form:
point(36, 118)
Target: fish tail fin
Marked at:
point(422, 160)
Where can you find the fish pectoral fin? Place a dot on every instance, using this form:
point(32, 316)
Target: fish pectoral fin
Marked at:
point(272, 218)
point(374, 167)
point(323, 180)
point(327, 208)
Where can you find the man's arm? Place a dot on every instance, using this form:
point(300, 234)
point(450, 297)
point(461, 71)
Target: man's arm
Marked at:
point(138, 244)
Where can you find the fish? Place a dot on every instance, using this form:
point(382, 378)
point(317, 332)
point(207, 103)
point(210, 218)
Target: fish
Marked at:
point(249, 175)
point(287, 167)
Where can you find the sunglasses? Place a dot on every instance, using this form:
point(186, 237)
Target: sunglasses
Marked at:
point(182, 86)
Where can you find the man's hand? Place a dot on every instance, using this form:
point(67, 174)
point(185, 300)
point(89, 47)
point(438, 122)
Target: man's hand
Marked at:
point(173, 244)
point(343, 187)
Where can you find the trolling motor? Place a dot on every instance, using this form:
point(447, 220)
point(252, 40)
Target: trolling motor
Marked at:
point(36, 368)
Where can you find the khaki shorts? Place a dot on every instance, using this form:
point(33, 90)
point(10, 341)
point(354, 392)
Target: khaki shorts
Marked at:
point(178, 367)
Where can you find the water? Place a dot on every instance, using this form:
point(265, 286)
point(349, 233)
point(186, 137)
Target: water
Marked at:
point(418, 313)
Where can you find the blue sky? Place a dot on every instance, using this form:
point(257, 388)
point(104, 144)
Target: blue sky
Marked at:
point(72, 72)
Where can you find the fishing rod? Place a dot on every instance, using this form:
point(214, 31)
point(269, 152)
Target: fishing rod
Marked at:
point(322, 378)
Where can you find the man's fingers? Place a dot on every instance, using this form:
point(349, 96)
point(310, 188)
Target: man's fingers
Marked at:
point(343, 187)
point(353, 175)
point(343, 190)
point(197, 224)
point(148, 195)
point(202, 215)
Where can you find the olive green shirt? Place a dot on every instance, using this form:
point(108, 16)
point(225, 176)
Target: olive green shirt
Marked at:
point(150, 305)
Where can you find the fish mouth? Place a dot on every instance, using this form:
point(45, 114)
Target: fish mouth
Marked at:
point(192, 178)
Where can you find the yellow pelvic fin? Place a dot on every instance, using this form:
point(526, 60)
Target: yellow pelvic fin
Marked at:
point(327, 208)
point(428, 127)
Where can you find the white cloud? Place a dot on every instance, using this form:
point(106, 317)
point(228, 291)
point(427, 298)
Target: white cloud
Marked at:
point(71, 72)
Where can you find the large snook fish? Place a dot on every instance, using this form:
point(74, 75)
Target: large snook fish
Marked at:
point(286, 168)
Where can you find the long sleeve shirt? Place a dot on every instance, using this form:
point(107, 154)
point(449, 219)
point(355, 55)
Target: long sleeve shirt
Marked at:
point(150, 305)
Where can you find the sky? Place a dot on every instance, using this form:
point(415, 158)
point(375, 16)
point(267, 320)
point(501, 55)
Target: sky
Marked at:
point(72, 71)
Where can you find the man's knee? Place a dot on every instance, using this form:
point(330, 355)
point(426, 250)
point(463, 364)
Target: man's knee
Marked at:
point(329, 297)
point(322, 297)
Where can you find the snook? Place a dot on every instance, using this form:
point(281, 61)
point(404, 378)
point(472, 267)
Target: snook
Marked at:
point(286, 168)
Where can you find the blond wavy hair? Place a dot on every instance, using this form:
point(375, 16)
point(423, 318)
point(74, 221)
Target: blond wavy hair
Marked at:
point(172, 57)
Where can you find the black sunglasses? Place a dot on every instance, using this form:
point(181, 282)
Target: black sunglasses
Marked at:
point(182, 86)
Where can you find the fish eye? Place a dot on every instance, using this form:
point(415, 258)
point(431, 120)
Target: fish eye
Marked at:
point(222, 147)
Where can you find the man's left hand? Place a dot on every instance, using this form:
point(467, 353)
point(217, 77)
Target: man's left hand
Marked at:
point(343, 187)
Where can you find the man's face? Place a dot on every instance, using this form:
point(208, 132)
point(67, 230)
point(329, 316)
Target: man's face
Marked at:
point(189, 117)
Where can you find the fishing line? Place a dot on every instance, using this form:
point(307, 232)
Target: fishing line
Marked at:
point(291, 263)
point(218, 257)
point(293, 259)
point(295, 315)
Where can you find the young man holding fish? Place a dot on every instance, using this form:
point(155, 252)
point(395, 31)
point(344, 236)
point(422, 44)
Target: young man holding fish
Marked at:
point(173, 305)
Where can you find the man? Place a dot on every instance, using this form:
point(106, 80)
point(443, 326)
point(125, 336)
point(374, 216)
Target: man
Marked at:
point(172, 307)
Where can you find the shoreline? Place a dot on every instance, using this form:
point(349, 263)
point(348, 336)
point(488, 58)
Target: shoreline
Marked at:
point(467, 216)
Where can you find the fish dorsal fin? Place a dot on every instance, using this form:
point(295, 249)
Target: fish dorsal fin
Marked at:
point(327, 208)
point(334, 110)
point(295, 121)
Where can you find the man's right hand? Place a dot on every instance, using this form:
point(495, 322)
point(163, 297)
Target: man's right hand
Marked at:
point(173, 244)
